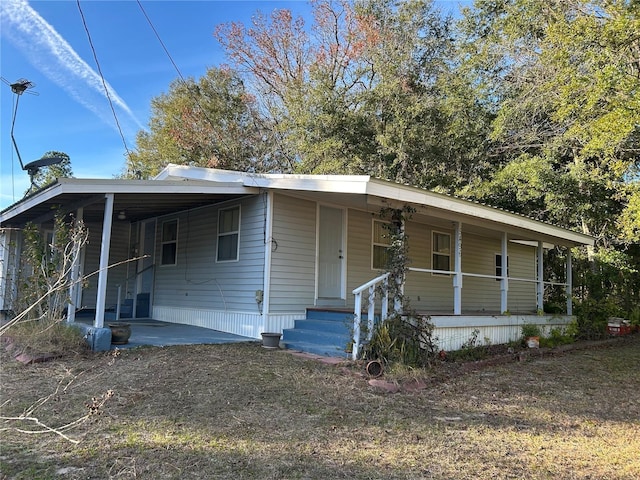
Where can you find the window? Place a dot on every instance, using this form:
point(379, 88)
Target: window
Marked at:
point(499, 266)
point(441, 252)
point(169, 243)
point(228, 234)
point(380, 245)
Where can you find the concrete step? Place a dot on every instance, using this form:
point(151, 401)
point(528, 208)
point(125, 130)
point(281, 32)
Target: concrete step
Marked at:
point(328, 326)
point(315, 336)
point(326, 350)
point(341, 316)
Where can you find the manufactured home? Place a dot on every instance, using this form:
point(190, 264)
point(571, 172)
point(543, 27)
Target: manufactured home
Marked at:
point(248, 253)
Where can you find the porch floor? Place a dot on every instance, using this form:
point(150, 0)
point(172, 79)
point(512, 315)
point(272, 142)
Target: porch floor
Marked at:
point(150, 332)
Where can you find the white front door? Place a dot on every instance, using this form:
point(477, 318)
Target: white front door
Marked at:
point(330, 253)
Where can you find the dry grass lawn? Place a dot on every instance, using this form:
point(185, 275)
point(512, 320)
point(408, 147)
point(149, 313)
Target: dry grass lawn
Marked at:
point(241, 411)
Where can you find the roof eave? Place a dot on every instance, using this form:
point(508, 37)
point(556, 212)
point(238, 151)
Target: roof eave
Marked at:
point(407, 194)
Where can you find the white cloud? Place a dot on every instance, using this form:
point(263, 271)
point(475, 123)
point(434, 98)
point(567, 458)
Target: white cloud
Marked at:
point(54, 57)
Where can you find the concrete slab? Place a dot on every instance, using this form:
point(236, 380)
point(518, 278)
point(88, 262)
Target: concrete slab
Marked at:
point(146, 331)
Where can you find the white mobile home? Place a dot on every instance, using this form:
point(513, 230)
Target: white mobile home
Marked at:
point(250, 253)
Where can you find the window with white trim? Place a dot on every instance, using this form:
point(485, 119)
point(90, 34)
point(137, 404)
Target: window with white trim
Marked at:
point(228, 234)
point(169, 246)
point(441, 251)
point(499, 266)
point(380, 243)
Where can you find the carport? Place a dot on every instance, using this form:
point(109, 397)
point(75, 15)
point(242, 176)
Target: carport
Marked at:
point(149, 332)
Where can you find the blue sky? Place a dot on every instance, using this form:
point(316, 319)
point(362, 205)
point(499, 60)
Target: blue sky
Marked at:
point(46, 43)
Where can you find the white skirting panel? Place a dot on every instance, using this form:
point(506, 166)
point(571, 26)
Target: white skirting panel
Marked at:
point(453, 331)
point(239, 323)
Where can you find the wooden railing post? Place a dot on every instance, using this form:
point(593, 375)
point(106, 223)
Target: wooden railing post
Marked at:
point(357, 317)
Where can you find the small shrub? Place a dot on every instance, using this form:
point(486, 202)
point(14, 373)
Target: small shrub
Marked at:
point(592, 315)
point(530, 330)
point(557, 336)
point(406, 339)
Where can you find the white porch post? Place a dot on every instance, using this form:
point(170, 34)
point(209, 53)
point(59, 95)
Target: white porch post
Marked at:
point(540, 284)
point(457, 278)
point(569, 281)
point(268, 249)
point(504, 281)
point(104, 260)
point(75, 273)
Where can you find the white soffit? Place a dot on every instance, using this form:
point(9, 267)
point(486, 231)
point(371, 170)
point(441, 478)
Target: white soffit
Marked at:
point(531, 243)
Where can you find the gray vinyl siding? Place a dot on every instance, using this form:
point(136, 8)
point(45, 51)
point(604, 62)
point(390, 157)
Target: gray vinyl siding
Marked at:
point(293, 254)
point(483, 294)
point(359, 271)
point(426, 291)
point(118, 253)
point(197, 280)
point(522, 264)
point(434, 293)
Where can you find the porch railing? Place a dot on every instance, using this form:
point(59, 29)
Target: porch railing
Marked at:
point(377, 291)
point(378, 287)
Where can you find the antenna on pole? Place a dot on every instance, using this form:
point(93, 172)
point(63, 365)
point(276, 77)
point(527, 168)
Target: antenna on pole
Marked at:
point(32, 168)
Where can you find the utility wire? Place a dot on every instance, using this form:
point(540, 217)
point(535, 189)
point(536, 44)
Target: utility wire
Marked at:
point(184, 82)
point(104, 83)
point(160, 40)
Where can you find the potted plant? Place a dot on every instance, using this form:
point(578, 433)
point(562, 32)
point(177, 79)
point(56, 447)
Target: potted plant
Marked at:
point(271, 339)
point(531, 335)
point(120, 333)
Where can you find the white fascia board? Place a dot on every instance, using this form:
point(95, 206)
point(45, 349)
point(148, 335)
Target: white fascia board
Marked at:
point(24, 205)
point(152, 186)
point(311, 183)
point(278, 181)
point(107, 185)
point(186, 172)
point(459, 206)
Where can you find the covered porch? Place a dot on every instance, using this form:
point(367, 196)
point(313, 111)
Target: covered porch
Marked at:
point(149, 332)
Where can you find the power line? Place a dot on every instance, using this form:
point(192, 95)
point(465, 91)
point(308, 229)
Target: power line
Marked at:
point(160, 40)
point(104, 83)
point(189, 91)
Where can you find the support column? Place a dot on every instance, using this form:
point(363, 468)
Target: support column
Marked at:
point(540, 284)
point(104, 261)
point(75, 273)
point(457, 277)
point(504, 272)
point(569, 282)
point(268, 249)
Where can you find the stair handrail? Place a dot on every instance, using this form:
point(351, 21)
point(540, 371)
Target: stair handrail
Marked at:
point(372, 287)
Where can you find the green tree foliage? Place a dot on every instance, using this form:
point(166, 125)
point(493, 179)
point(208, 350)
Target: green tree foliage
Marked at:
point(47, 175)
point(367, 88)
point(562, 78)
point(209, 123)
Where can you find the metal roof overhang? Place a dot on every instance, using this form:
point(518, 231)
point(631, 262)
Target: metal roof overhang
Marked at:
point(139, 199)
point(433, 208)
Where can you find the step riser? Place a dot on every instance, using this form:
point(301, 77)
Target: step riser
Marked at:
point(323, 326)
point(310, 336)
point(330, 316)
